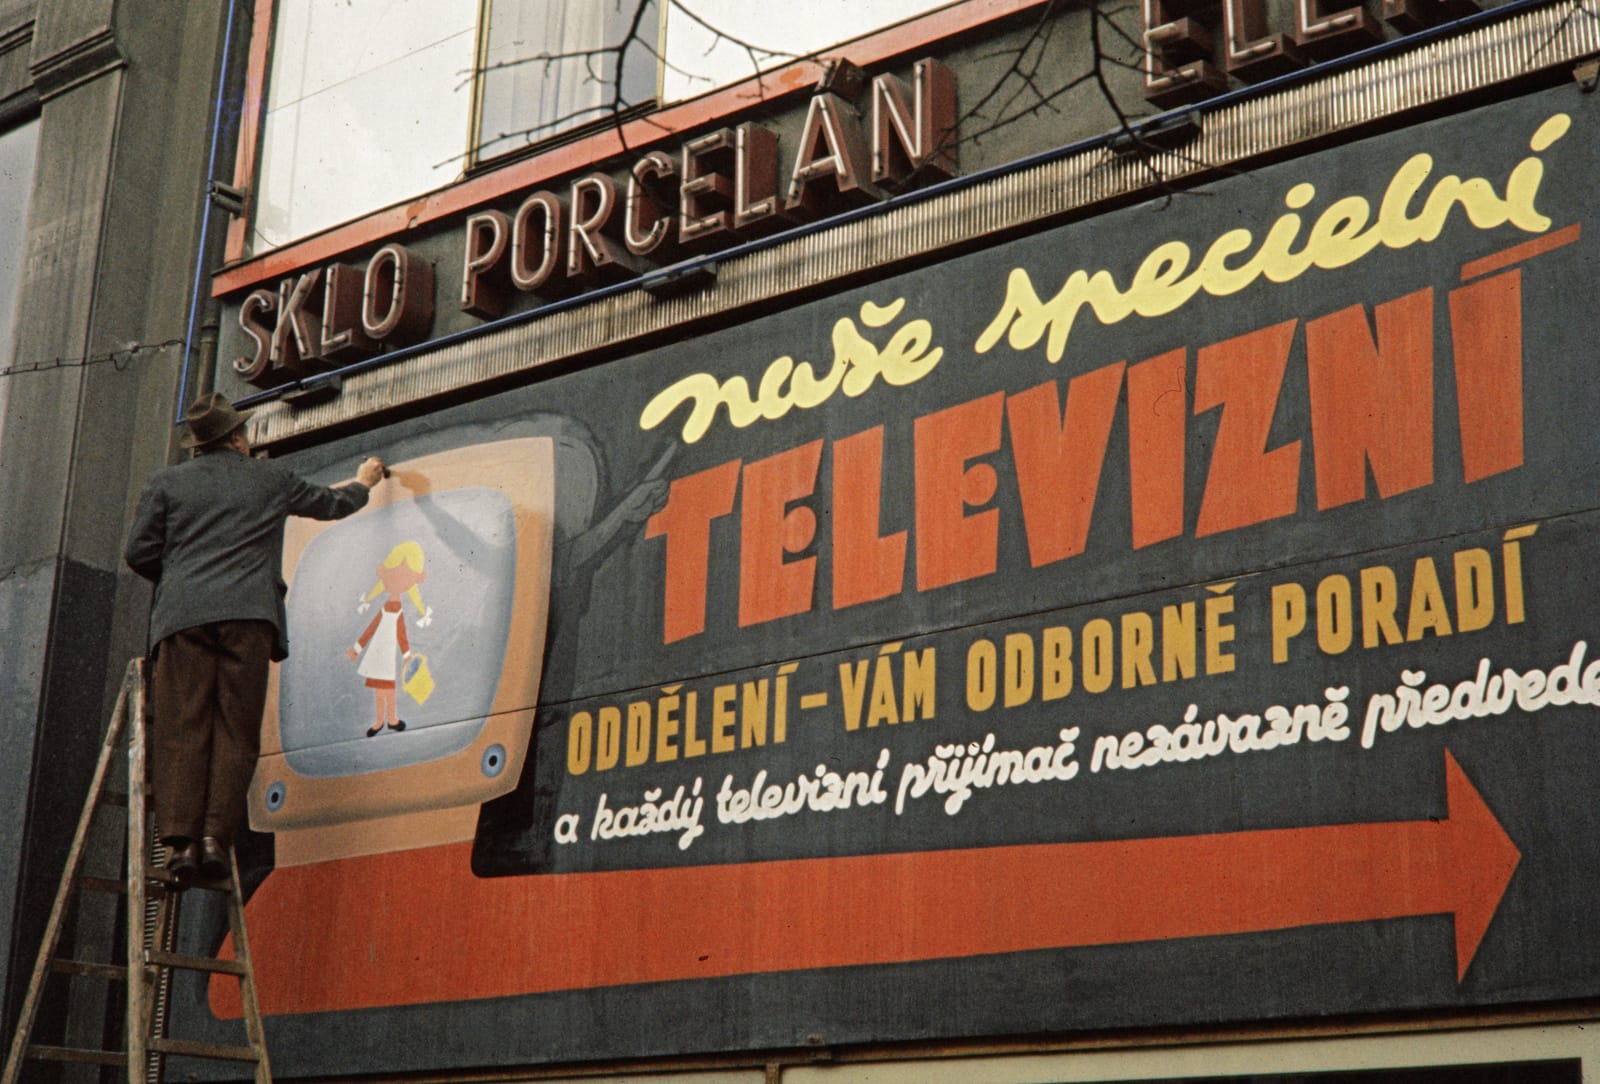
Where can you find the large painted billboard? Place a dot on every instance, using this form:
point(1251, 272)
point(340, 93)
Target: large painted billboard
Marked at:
point(1174, 617)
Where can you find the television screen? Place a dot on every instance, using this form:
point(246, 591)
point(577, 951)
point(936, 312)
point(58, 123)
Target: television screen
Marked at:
point(416, 639)
point(453, 625)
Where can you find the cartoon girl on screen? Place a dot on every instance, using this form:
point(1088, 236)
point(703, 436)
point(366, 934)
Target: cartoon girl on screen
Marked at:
point(384, 642)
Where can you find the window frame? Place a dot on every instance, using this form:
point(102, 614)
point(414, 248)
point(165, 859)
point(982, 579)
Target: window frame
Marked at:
point(476, 160)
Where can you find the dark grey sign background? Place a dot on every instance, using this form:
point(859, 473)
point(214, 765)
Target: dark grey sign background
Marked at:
point(1534, 770)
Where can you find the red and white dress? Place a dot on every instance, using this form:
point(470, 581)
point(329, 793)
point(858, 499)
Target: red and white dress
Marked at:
point(384, 642)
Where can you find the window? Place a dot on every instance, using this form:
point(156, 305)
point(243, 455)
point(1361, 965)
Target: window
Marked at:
point(18, 149)
point(550, 65)
point(373, 102)
point(367, 105)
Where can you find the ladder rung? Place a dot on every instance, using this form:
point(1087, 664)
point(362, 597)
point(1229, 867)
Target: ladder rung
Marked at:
point(113, 972)
point(189, 1049)
point(67, 1053)
point(193, 963)
point(102, 884)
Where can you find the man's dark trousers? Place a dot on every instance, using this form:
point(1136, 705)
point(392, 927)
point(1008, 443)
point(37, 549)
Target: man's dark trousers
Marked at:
point(209, 686)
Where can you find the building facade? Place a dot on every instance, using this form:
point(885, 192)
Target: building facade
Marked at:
point(1024, 542)
point(106, 120)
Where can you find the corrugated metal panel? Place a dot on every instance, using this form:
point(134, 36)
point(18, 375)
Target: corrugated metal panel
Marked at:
point(1432, 73)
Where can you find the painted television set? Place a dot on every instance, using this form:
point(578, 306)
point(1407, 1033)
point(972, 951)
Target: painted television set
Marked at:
point(416, 630)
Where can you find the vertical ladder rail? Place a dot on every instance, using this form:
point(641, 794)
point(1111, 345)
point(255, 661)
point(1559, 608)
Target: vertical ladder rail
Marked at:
point(161, 934)
point(254, 1032)
point(132, 680)
point(137, 1028)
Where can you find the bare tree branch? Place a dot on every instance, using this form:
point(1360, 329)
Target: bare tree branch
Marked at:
point(1111, 99)
point(1039, 34)
point(753, 52)
point(1575, 8)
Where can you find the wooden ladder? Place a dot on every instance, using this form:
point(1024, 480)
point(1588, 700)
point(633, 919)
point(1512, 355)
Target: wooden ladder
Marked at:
point(153, 907)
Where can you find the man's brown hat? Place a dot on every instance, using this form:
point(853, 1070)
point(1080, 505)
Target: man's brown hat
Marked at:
point(211, 418)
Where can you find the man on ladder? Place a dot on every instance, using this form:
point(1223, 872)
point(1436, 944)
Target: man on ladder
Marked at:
point(209, 534)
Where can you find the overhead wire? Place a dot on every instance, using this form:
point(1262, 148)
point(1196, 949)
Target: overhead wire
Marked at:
point(119, 359)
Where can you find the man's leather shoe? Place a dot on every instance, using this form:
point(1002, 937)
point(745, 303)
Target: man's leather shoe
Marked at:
point(183, 861)
point(213, 859)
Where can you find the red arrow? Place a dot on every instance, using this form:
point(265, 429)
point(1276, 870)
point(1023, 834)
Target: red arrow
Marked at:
point(417, 927)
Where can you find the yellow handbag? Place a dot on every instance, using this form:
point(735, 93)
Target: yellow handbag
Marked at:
point(418, 680)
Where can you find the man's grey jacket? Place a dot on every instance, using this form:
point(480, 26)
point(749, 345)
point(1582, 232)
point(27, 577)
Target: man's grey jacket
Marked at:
point(209, 534)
